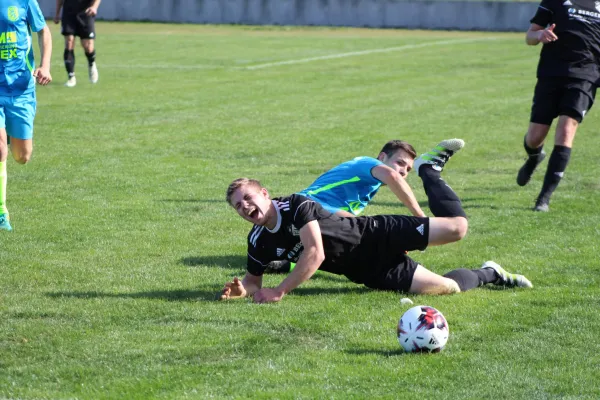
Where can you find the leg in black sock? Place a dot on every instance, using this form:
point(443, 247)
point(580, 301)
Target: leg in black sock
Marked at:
point(535, 157)
point(472, 278)
point(443, 202)
point(69, 57)
point(556, 168)
point(91, 57)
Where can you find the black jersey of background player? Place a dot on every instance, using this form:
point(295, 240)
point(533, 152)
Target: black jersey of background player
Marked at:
point(340, 235)
point(576, 53)
point(76, 6)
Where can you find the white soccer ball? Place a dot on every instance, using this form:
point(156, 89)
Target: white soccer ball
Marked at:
point(423, 329)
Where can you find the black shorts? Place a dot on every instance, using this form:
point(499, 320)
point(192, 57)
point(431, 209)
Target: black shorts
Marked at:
point(380, 261)
point(80, 24)
point(561, 96)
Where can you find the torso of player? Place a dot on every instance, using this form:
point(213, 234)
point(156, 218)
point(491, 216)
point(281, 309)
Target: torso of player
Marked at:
point(76, 6)
point(340, 235)
point(349, 186)
point(576, 53)
point(15, 48)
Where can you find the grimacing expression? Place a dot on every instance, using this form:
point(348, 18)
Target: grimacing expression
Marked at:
point(252, 203)
point(400, 161)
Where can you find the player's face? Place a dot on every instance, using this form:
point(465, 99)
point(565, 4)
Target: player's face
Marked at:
point(400, 161)
point(252, 204)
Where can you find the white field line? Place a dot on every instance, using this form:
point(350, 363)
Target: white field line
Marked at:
point(291, 62)
point(365, 52)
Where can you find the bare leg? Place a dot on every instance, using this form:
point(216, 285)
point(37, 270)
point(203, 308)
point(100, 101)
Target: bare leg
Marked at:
point(427, 282)
point(21, 149)
point(447, 230)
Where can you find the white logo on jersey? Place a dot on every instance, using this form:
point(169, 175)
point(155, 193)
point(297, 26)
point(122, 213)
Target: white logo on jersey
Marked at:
point(567, 3)
point(421, 229)
point(280, 251)
point(295, 231)
point(597, 4)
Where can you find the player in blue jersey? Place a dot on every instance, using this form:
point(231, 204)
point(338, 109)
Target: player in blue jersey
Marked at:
point(18, 19)
point(347, 188)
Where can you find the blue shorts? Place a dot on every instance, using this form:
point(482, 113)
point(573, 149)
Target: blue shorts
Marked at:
point(17, 114)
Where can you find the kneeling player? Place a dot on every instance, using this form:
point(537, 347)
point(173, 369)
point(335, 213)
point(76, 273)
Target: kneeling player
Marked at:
point(367, 250)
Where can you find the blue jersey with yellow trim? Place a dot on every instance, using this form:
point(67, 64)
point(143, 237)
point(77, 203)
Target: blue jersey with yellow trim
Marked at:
point(18, 18)
point(349, 186)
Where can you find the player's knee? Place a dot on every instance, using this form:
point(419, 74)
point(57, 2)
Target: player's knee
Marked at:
point(451, 287)
point(22, 158)
point(459, 229)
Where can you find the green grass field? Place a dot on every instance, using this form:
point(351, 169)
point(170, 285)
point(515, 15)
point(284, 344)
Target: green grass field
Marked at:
point(122, 236)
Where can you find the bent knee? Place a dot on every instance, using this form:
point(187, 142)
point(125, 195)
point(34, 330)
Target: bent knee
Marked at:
point(22, 158)
point(459, 229)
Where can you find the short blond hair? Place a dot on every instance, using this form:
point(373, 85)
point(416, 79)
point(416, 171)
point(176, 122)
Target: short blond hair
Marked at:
point(238, 183)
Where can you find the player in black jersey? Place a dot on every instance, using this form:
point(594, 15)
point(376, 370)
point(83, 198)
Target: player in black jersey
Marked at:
point(78, 19)
point(367, 250)
point(568, 75)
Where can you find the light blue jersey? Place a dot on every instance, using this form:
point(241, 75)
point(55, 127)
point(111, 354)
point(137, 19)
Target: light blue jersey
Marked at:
point(18, 18)
point(349, 186)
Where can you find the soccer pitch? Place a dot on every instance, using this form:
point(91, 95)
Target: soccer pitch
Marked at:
point(122, 236)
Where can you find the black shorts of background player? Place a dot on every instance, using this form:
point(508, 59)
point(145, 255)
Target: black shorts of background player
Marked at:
point(367, 250)
point(568, 75)
point(78, 19)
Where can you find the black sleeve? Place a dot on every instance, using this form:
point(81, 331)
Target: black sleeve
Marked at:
point(305, 210)
point(258, 258)
point(545, 13)
point(255, 266)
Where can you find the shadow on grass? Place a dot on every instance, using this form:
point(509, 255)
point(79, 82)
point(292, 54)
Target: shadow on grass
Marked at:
point(166, 295)
point(318, 291)
point(378, 352)
point(232, 261)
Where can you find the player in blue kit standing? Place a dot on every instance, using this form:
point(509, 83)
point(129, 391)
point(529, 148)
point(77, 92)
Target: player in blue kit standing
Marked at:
point(18, 19)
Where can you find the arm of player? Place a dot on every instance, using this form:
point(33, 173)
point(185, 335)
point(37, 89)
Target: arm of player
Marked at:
point(59, 4)
point(237, 289)
point(309, 262)
point(399, 187)
point(42, 73)
point(92, 11)
point(538, 34)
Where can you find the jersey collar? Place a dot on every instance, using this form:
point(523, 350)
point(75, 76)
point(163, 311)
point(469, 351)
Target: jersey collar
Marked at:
point(278, 225)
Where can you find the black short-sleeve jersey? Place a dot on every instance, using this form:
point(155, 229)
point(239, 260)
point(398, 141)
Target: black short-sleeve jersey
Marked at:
point(340, 235)
point(76, 6)
point(576, 53)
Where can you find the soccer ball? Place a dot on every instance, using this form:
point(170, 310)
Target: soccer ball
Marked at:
point(423, 329)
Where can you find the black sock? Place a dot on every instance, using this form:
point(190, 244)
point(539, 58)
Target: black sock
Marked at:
point(556, 167)
point(69, 57)
point(443, 202)
point(472, 278)
point(531, 151)
point(91, 57)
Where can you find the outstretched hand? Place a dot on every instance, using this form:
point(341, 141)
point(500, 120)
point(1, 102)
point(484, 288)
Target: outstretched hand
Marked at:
point(547, 35)
point(233, 290)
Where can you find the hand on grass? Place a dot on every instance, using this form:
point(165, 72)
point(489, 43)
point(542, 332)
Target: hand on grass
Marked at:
point(233, 290)
point(267, 295)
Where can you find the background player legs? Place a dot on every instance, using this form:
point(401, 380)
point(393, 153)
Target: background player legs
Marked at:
point(4, 224)
point(69, 58)
point(563, 142)
point(90, 53)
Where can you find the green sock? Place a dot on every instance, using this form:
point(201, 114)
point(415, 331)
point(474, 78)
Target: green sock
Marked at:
point(3, 179)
